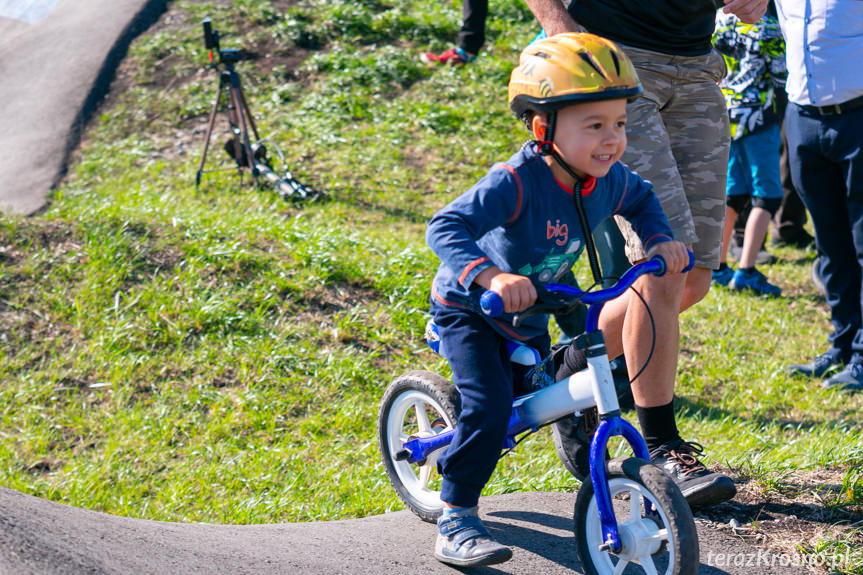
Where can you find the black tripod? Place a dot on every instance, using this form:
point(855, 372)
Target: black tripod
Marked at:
point(249, 156)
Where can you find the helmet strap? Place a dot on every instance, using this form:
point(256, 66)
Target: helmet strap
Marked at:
point(590, 245)
point(545, 146)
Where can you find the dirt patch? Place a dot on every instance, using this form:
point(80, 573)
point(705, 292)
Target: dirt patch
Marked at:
point(339, 297)
point(171, 71)
point(802, 514)
point(9, 255)
point(322, 303)
point(44, 465)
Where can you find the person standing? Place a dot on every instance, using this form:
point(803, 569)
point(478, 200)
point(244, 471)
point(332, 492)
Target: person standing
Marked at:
point(823, 125)
point(755, 56)
point(678, 135)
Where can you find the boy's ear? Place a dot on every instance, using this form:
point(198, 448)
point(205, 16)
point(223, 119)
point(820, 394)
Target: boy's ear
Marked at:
point(538, 126)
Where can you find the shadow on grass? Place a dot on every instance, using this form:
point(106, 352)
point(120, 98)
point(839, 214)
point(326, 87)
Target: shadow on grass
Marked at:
point(804, 258)
point(689, 408)
point(414, 216)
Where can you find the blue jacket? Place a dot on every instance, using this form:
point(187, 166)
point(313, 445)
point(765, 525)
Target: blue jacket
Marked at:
point(521, 219)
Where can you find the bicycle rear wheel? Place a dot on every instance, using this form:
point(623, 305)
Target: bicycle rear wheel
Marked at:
point(416, 404)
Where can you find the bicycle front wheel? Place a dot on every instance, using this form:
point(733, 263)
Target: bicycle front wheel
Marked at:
point(663, 540)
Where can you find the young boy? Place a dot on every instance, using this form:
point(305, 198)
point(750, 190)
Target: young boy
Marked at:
point(755, 57)
point(519, 225)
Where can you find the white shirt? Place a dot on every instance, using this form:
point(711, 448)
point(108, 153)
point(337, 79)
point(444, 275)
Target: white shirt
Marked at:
point(824, 50)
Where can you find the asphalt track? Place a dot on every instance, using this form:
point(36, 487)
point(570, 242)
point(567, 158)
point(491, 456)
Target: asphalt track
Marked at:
point(39, 537)
point(57, 58)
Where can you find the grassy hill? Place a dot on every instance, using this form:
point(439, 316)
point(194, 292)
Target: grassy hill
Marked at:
point(218, 355)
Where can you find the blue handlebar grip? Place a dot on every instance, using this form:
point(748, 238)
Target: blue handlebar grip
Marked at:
point(491, 304)
point(661, 260)
point(691, 263)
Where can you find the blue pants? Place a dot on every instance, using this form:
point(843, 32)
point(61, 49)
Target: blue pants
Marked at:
point(826, 158)
point(753, 165)
point(483, 374)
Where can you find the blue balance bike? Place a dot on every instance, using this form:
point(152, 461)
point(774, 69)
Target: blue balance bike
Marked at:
point(629, 515)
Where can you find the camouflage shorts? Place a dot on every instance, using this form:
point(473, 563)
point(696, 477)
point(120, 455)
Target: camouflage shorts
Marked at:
point(678, 140)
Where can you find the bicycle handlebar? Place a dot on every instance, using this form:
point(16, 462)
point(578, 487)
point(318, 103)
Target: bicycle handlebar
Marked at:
point(554, 298)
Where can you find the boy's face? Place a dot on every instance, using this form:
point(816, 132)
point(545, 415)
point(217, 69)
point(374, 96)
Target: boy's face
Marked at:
point(591, 136)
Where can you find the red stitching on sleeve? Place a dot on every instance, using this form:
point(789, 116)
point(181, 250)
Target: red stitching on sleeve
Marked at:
point(445, 301)
point(470, 266)
point(520, 196)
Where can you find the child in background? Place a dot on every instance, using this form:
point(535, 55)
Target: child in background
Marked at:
point(519, 225)
point(755, 57)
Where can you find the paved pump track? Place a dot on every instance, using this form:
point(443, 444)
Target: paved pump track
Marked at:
point(39, 537)
point(57, 60)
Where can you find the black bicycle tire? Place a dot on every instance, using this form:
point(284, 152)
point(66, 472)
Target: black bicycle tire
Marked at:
point(444, 394)
point(666, 495)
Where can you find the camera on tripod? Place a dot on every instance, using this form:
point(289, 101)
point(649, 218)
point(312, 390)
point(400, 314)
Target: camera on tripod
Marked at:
point(228, 56)
point(244, 145)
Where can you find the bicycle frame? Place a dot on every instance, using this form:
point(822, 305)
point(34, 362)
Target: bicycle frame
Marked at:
point(593, 386)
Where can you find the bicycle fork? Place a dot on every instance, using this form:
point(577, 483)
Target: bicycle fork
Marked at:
point(610, 424)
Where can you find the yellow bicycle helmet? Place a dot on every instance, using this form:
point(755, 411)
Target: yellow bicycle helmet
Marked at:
point(568, 68)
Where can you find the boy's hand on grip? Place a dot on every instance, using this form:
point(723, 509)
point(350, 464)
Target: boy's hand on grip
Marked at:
point(516, 291)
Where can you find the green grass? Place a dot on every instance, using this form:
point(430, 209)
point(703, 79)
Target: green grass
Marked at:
point(218, 355)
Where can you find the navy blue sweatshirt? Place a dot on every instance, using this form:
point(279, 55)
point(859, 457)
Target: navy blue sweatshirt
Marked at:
point(519, 218)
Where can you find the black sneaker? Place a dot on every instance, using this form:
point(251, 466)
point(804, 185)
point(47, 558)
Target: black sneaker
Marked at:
point(849, 379)
point(830, 360)
point(572, 436)
point(463, 541)
point(699, 485)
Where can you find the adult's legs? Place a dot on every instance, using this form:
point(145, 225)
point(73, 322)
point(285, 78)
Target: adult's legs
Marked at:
point(827, 170)
point(471, 37)
point(678, 139)
point(697, 123)
point(790, 218)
